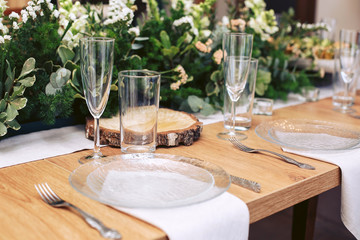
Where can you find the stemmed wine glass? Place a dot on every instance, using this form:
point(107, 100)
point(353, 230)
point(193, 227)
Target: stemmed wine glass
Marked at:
point(237, 48)
point(96, 64)
point(349, 57)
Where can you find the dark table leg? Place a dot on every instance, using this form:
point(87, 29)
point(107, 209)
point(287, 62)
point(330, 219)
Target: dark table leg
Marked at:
point(304, 219)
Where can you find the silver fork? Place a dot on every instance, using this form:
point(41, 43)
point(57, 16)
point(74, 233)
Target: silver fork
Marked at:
point(50, 197)
point(244, 148)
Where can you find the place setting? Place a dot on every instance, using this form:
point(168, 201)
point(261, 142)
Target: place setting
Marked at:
point(173, 120)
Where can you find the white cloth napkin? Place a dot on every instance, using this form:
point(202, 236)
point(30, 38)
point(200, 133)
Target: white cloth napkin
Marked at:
point(349, 163)
point(39, 145)
point(224, 217)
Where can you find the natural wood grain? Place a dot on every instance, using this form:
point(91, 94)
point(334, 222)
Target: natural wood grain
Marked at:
point(174, 128)
point(25, 216)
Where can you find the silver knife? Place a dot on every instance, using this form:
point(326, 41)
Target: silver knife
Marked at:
point(249, 184)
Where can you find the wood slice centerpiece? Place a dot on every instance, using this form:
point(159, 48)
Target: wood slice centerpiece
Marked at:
point(174, 128)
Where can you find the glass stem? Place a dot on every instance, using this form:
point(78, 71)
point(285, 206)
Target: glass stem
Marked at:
point(96, 136)
point(232, 129)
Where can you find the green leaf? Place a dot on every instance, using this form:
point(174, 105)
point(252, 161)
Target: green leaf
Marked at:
point(170, 52)
point(48, 66)
point(9, 73)
point(165, 40)
point(28, 82)
point(65, 53)
point(207, 109)
point(216, 76)
point(113, 87)
point(14, 124)
point(19, 103)
point(18, 91)
point(28, 67)
point(2, 105)
point(78, 95)
point(181, 40)
point(50, 90)
point(11, 112)
point(3, 129)
point(70, 65)
point(195, 103)
point(8, 84)
point(3, 116)
point(212, 88)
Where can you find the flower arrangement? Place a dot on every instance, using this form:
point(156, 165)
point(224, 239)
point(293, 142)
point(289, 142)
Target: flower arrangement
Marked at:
point(39, 71)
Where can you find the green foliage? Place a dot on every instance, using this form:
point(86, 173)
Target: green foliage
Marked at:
point(12, 95)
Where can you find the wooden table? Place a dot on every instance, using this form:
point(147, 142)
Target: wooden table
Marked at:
point(24, 215)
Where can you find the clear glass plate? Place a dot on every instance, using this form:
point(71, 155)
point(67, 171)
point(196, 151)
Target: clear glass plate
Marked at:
point(308, 134)
point(149, 180)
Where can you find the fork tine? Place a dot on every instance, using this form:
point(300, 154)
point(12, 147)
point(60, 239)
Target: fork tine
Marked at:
point(48, 193)
point(39, 190)
point(56, 197)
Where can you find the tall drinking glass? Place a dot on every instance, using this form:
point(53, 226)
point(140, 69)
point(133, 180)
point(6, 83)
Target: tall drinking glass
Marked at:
point(349, 56)
point(237, 48)
point(96, 63)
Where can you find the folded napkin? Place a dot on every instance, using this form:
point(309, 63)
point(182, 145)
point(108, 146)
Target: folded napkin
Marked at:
point(39, 145)
point(223, 217)
point(349, 163)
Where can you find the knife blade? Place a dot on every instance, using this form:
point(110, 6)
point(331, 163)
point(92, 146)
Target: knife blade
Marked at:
point(248, 184)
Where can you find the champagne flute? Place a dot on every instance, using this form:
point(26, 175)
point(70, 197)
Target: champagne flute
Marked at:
point(96, 64)
point(349, 63)
point(237, 48)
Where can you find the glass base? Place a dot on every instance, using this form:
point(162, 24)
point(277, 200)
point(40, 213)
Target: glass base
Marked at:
point(228, 135)
point(92, 157)
point(344, 109)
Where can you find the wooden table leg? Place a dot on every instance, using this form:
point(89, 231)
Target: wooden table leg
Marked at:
point(304, 216)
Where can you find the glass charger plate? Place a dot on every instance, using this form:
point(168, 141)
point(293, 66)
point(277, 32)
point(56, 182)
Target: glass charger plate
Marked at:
point(149, 180)
point(308, 134)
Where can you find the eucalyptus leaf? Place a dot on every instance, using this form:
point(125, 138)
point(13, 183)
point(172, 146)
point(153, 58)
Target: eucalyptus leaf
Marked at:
point(50, 90)
point(212, 88)
point(165, 40)
point(28, 67)
point(3, 129)
point(11, 113)
point(71, 66)
point(19, 103)
point(13, 124)
point(28, 82)
point(65, 53)
point(207, 109)
point(195, 103)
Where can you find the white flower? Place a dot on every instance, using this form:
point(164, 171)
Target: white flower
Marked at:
point(72, 17)
point(7, 37)
point(56, 13)
point(24, 16)
point(32, 14)
point(2, 39)
point(205, 33)
point(134, 30)
point(14, 15)
point(50, 6)
point(183, 20)
point(15, 25)
point(3, 6)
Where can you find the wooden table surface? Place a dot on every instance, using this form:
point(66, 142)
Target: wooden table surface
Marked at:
point(25, 216)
